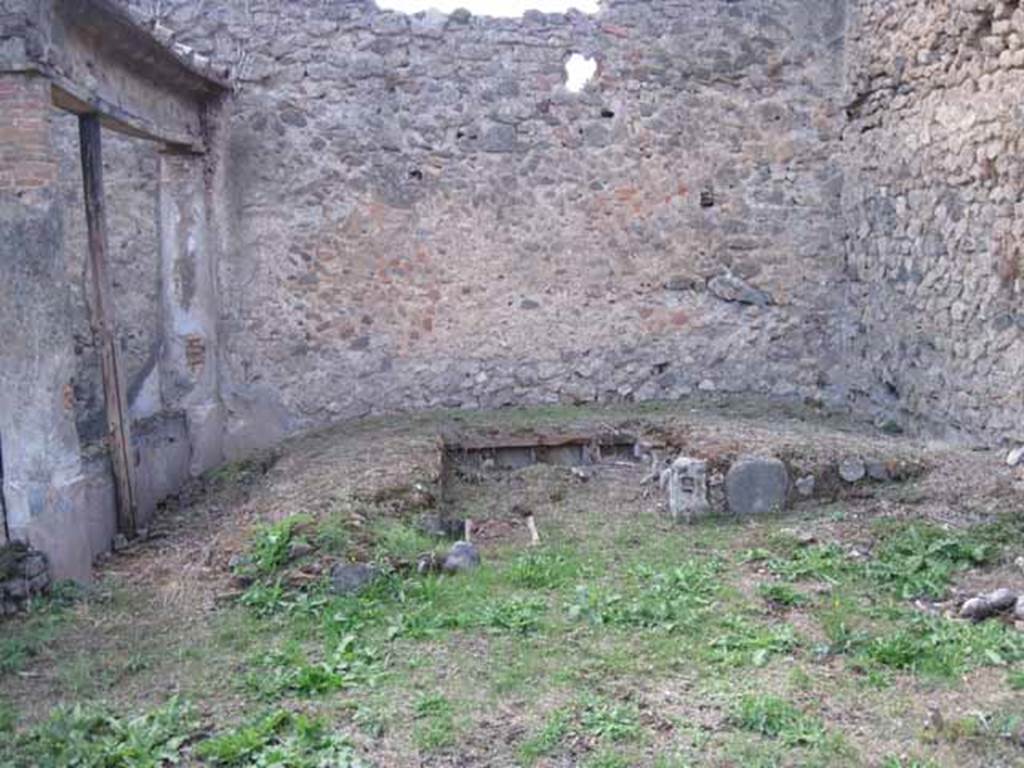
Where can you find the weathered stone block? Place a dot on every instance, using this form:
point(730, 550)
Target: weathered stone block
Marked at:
point(757, 485)
point(686, 481)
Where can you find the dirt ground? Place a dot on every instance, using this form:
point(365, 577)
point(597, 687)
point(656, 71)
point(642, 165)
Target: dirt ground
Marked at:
point(624, 639)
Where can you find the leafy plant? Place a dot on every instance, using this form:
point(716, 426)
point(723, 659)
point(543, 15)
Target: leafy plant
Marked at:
point(8, 717)
point(542, 569)
point(90, 736)
point(778, 719)
point(279, 739)
point(271, 543)
point(781, 594)
point(518, 615)
point(287, 671)
point(609, 720)
point(554, 731)
point(667, 600)
point(938, 647)
point(400, 541)
point(435, 727)
point(920, 559)
point(741, 642)
point(819, 563)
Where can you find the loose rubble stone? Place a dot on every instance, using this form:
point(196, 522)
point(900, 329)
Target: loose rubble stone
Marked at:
point(805, 486)
point(756, 485)
point(852, 469)
point(1001, 599)
point(878, 470)
point(729, 287)
point(1015, 457)
point(442, 527)
point(463, 556)
point(299, 549)
point(24, 574)
point(352, 578)
point(686, 481)
point(1018, 609)
point(976, 609)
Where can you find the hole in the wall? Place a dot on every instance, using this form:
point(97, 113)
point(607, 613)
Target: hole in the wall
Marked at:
point(579, 70)
point(607, 113)
point(495, 8)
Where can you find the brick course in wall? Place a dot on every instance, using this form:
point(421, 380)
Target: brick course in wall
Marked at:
point(26, 162)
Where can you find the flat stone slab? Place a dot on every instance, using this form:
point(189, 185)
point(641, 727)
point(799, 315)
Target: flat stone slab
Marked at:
point(756, 485)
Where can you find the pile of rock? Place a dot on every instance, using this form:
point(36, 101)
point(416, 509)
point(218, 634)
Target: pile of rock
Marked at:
point(354, 578)
point(758, 485)
point(1000, 602)
point(24, 574)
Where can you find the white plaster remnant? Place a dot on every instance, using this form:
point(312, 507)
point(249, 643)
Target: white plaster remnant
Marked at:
point(687, 483)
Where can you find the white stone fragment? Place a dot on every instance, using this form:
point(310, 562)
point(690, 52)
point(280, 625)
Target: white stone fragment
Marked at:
point(686, 480)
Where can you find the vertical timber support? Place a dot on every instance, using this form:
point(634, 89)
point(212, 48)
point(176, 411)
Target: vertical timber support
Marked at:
point(189, 304)
point(104, 326)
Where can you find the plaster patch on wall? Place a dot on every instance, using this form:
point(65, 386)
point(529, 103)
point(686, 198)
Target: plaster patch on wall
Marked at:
point(579, 70)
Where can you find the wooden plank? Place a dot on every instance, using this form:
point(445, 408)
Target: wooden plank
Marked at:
point(101, 309)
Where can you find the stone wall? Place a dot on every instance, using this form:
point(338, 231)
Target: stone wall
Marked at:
point(419, 214)
point(934, 210)
point(24, 574)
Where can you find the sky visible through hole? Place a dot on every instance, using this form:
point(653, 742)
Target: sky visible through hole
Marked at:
point(506, 8)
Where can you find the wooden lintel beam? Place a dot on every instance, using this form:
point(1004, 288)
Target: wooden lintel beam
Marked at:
point(104, 328)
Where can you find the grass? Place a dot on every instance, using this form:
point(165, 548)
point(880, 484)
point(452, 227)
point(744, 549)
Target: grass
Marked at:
point(435, 723)
point(614, 644)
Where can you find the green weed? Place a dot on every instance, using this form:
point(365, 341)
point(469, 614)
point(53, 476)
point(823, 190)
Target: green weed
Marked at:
point(435, 726)
point(543, 569)
point(548, 739)
point(271, 543)
point(90, 736)
point(397, 540)
point(781, 595)
point(287, 670)
point(778, 719)
point(920, 559)
point(667, 600)
point(277, 740)
point(740, 642)
point(938, 647)
point(610, 720)
point(818, 563)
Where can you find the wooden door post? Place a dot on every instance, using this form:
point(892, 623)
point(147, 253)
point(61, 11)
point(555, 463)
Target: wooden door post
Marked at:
point(115, 393)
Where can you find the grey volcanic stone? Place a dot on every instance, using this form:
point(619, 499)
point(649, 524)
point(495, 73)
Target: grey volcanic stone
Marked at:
point(1001, 599)
point(756, 485)
point(976, 609)
point(352, 578)
point(805, 486)
point(463, 556)
point(729, 287)
point(442, 527)
point(878, 470)
point(852, 469)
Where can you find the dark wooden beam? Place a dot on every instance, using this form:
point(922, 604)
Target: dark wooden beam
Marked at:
point(101, 309)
